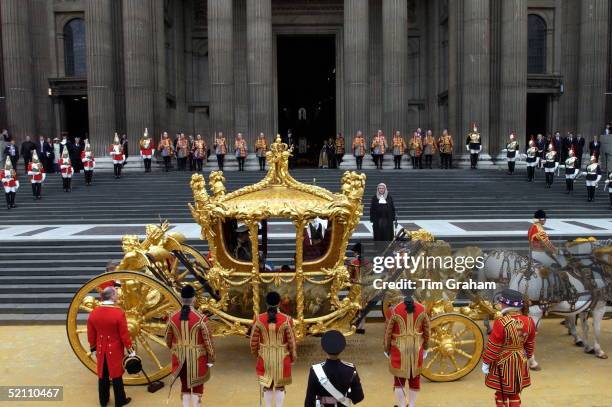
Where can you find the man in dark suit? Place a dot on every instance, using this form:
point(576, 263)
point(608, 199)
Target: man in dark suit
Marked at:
point(26, 151)
point(43, 150)
point(75, 154)
point(579, 148)
point(11, 151)
point(557, 142)
point(595, 147)
point(568, 143)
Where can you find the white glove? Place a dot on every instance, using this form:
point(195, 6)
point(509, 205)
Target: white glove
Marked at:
point(210, 364)
point(467, 148)
point(425, 353)
point(132, 353)
point(485, 368)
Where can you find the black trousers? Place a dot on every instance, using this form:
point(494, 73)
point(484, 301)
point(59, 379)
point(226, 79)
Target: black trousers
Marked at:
point(89, 176)
point(262, 163)
point(10, 199)
point(359, 160)
point(36, 189)
point(397, 160)
point(473, 160)
point(550, 178)
point(167, 162)
point(339, 159)
point(590, 193)
point(220, 160)
point(511, 165)
point(446, 160)
point(117, 169)
point(240, 163)
point(191, 161)
point(181, 163)
point(428, 161)
point(610, 200)
point(530, 173)
point(104, 388)
point(66, 182)
point(147, 164)
point(199, 163)
point(569, 184)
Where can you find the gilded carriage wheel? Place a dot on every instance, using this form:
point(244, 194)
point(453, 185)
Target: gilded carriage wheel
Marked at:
point(147, 304)
point(455, 347)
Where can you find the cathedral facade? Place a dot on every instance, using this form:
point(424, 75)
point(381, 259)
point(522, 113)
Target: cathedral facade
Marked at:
point(312, 67)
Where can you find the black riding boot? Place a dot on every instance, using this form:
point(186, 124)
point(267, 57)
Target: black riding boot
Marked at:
point(8, 199)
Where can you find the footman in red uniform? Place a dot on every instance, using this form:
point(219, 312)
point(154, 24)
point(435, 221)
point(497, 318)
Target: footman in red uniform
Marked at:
point(36, 171)
point(406, 343)
point(116, 153)
point(66, 170)
point(89, 162)
point(510, 345)
point(193, 353)
point(10, 183)
point(108, 336)
point(273, 342)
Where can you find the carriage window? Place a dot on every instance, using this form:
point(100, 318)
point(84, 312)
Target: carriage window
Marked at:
point(75, 48)
point(317, 238)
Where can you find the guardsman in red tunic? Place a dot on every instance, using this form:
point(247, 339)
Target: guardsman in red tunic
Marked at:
point(108, 336)
point(116, 153)
point(406, 343)
point(147, 150)
point(89, 162)
point(510, 345)
point(10, 183)
point(66, 170)
point(273, 342)
point(36, 171)
point(540, 247)
point(193, 352)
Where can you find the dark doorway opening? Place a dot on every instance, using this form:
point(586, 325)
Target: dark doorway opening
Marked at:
point(306, 68)
point(537, 115)
point(76, 116)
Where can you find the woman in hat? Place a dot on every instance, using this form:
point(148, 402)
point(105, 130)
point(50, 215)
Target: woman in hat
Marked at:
point(406, 343)
point(382, 214)
point(273, 342)
point(193, 352)
point(510, 345)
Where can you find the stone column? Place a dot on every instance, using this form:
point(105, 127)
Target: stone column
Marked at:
point(138, 43)
point(259, 61)
point(375, 70)
point(513, 66)
point(221, 67)
point(41, 60)
point(356, 85)
point(594, 29)
point(395, 61)
point(100, 75)
point(17, 60)
point(475, 72)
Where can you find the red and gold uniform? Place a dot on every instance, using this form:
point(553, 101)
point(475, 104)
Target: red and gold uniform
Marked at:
point(275, 347)
point(116, 151)
point(192, 349)
point(36, 171)
point(510, 345)
point(147, 147)
point(399, 147)
point(199, 148)
point(406, 338)
point(66, 170)
point(358, 146)
point(378, 148)
point(261, 146)
point(538, 239)
point(165, 146)
point(340, 144)
point(89, 163)
point(240, 147)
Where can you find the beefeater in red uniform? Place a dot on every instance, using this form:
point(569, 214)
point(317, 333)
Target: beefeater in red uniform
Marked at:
point(406, 343)
point(273, 342)
point(108, 336)
point(193, 353)
point(510, 345)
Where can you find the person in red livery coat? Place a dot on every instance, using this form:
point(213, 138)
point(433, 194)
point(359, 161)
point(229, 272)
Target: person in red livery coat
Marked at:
point(108, 336)
point(89, 162)
point(36, 171)
point(147, 150)
point(273, 342)
point(116, 153)
point(10, 183)
point(406, 342)
point(510, 345)
point(66, 170)
point(193, 353)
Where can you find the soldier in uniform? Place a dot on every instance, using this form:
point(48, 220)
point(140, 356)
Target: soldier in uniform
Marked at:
point(609, 186)
point(550, 165)
point(66, 170)
point(509, 347)
point(474, 146)
point(416, 150)
point(570, 170)
point(147, 149)
point(240, 149)
point(512, 149)
point(182, 152)
point(593, 176)
point(399, 147)
point(541, 248)
point(541, 145)
point(406, 343)
point(89, 162)
point(10, 183)
point(261, 146)
point(379, 146)
point(36, 171)
point(429, 148)
point(333, 383)
point(340, 148)
point(166, 149)
point(445, 146)
point(533, 157)
point(273, 343)
point(116, 152)
point(199, 151)
point(191, 343)
point(108, 337)
point(220, 149)
point(358, 148)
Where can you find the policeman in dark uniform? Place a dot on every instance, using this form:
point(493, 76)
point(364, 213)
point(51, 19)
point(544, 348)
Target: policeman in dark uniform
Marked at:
point(333, 383)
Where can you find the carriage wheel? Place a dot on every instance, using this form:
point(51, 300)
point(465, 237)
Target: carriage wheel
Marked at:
point(147, 305)
point(455, 347)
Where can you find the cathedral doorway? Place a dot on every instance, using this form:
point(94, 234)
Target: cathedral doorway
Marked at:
point(537, 115)
point(75, 118)
point(306, 74)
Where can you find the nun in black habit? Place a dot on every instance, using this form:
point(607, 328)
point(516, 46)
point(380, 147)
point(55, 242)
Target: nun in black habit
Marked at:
point(382, 214)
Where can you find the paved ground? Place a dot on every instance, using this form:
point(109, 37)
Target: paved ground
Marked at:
point(32, 355)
